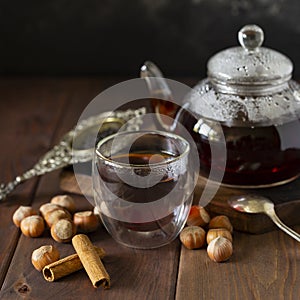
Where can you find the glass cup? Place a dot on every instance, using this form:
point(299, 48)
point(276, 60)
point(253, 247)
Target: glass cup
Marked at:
point(143, 186)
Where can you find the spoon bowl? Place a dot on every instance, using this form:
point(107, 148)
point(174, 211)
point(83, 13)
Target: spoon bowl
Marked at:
point(252, 203)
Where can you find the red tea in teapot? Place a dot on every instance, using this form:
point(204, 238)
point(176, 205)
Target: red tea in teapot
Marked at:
point(255, 156)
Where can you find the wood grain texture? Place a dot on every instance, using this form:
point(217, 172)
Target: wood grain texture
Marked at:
point(263, 266)
point(68, 182)
point(134, 273)
point(26, 133)
point(30, 112)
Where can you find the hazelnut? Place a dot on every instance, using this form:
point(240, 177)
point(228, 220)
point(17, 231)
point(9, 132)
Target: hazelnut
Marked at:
point(192, 237)
point(45, 208)
point(220, 222)
point(63, 230)
point(53, 216)
point(64, 201)
point(32, 226)
point(86, 221)
point(44, 256)
point(214, 233)
point(198, 216)
point(21, 213)
point(219, 249)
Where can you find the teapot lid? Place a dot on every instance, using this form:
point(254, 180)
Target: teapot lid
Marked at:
point(249, 69)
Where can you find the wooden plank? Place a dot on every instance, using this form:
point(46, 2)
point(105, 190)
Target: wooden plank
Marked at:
point(134, 273)
point(130, 272)
point(33, 108)
point(129, 269)
point(26, 132)
point(263, 266)
point(30, 111)
point(287, 207)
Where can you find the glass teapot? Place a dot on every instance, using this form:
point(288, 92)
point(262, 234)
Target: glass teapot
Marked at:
point(249, 100)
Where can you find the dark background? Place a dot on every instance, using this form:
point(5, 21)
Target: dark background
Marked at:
point(102, 37)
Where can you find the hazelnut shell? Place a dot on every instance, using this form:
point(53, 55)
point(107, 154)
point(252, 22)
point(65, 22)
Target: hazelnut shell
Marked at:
point(47, 207)
point(53, 216)
point(220, 222)
point(32, 226)
point(63, 230)
point(192, 237)
point(64, 201)
point(215, 232)
point(44, 256)
point(86, 221)
point(220, 249)
point(198, 216)
point(21, 213)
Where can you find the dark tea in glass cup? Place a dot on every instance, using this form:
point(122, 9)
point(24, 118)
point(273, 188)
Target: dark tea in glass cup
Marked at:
point(143, 186)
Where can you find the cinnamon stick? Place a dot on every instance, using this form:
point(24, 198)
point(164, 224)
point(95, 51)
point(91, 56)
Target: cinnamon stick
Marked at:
point(66, 266)
point(91, 261)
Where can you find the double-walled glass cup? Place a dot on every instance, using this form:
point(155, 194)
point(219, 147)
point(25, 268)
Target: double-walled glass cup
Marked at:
point(143, 186)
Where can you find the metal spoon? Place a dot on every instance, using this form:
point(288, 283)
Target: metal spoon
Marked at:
point(157, 86)
point(159, 89)
point(258, 204)
point(155, 80)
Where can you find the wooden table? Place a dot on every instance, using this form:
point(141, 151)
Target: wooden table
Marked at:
point(35, 113)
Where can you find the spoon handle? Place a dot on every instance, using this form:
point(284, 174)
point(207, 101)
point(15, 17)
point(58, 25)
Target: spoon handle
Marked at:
point(271, 213)
point(155, 81)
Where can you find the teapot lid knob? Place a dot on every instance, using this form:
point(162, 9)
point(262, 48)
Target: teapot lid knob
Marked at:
point(251, 37)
